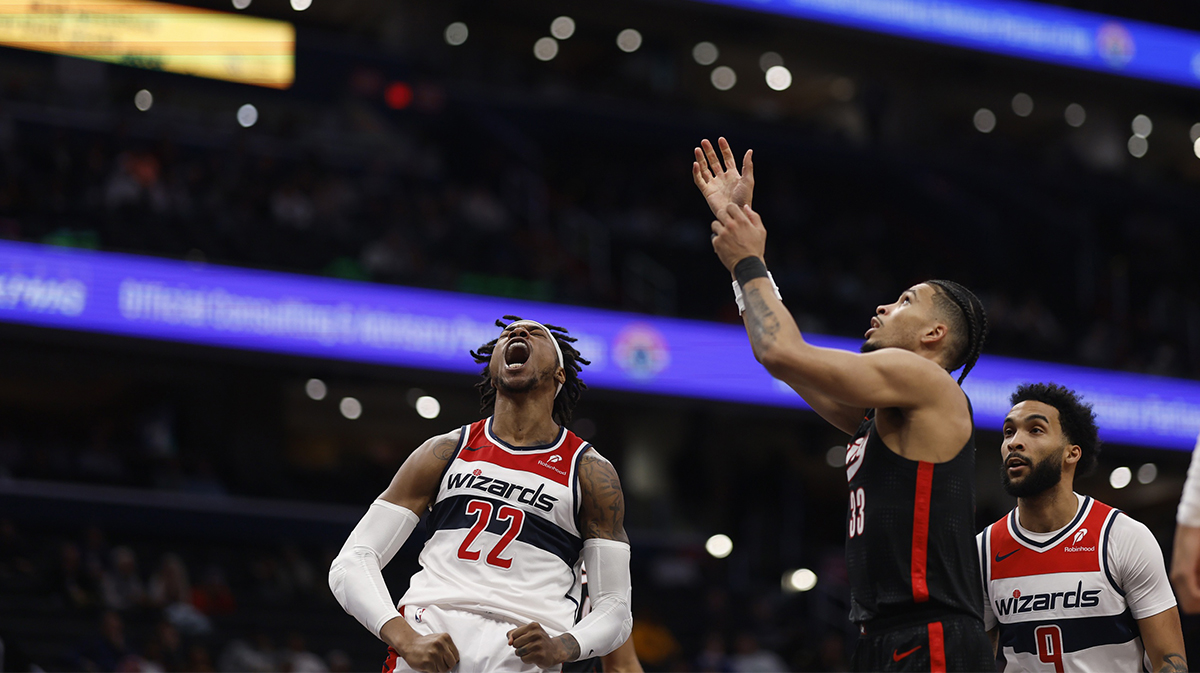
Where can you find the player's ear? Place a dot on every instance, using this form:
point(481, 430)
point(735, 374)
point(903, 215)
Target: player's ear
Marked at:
point(937, 332)
point(1072, 454)
point(560, 375)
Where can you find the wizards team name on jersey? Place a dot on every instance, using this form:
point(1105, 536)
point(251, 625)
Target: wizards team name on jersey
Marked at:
point(504, 538)
point(1077, 598)
point(480, 482)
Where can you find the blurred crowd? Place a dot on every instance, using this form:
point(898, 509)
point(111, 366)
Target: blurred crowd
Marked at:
point(1074, 264)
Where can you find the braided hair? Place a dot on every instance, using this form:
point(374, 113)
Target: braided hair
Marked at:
point(967, 318)
point(573, 386)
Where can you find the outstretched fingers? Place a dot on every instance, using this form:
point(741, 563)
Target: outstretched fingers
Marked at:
point(711, 155)
point(727, 154)
point(748, 165)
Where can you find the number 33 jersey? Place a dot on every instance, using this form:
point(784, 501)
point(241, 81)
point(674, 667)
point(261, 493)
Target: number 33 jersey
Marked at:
point(503, 534)
point(1068, 600)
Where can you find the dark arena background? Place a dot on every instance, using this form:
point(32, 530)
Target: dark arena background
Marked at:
point(247, 247)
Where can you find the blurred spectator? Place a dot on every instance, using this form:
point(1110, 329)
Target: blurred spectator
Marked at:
point(213, 595)
point(107, 650)
point(170, 591)
point(749, 657)
point(121, 584)
point(298, 659)
point(79, 585)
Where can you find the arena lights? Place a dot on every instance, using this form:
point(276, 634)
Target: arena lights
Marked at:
point(1075, 115)
point(1142, 126)
point(1196, 148)
point(985, 120)
point(301, 5)
point(769, 60)
point(545, 49)
point(456, 33)
point(1120, 477)
point(723, 78)
point(316, 389)
point(563, 27)
point(428, 407)
point(1147, 473)
point(1022, 104)
point(1138, 146)
point(719, 546)
point(779, 77)
point(247, 115)
point(1194, 133)
point(836, 456)
point(705, 53)
point(351, 408)
point(143, 100)
point(241, 4)
point(799, 581)
point(629, 40)
point(398, 95)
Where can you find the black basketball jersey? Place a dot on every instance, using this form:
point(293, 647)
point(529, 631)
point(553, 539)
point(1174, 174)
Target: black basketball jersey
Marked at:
point(910, 541)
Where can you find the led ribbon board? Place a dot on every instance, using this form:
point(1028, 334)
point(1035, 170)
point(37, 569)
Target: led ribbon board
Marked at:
point(156, 36)
point(1027, 30)
point(310, 316)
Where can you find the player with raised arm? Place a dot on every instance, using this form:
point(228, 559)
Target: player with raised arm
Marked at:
point(1185, 560)
point(1070, 584)
point(515, 504)
point(910, 464)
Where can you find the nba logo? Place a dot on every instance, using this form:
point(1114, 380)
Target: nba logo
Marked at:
point(420, 613)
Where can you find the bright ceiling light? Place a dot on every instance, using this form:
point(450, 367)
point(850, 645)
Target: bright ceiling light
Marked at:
point(705, 53)
point(629, 40)
point(562, 27)
point(719, 546)
point(779, 77)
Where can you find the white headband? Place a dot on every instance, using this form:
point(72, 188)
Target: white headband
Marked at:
point(553, 340)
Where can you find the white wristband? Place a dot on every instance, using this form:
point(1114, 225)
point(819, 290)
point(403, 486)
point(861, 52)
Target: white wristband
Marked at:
point(1189, 504)
point(741, 303)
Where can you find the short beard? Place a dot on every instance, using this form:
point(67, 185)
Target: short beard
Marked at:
point(870, 347)
point(526, 385)
point(1043, 476)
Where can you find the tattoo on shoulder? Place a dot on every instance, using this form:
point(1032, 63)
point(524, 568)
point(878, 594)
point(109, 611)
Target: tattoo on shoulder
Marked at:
point(443, 447)
point(603, 510)
point(1174, 663)
point(761, 321)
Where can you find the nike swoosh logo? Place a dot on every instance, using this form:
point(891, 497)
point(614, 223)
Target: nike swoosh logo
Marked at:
point(897, 656)
point(473, 448)
point(1000, 558)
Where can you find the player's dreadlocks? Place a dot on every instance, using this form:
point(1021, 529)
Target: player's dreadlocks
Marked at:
point(573, 387)
point(967, 317)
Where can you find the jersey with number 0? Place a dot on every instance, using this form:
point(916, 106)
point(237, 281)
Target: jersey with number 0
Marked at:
point(1068, 600)
point(503, 538)
point(910, 532)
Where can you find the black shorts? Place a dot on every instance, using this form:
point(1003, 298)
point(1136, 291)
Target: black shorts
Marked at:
point(948, 643)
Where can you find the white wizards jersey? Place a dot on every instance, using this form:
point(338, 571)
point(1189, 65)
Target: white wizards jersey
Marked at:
point(1069, 600)
point(503, 538)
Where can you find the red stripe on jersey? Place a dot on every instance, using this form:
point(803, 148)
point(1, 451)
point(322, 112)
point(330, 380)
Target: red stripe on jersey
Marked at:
point(920, 534)
point(553, 465)
point(389, 666)
point(937, 644)
point(1074, 553)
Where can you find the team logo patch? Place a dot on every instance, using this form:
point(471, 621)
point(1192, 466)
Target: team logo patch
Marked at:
point(854, 454)
point(641, 351)
point(1115, 44)
point(556, 458)
point(1079, 535)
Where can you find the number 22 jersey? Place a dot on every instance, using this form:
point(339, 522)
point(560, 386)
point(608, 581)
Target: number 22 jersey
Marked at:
point(503, 534)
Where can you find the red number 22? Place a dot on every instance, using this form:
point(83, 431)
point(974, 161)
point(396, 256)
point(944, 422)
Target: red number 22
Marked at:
point(482, 510)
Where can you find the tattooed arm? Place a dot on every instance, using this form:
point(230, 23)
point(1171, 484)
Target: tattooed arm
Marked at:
point(415, 484)
point(606, 558)
point(1163, 638)
point(837, 383)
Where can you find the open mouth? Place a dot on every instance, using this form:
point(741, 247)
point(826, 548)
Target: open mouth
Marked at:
point(1015, 463)
point(516, 354)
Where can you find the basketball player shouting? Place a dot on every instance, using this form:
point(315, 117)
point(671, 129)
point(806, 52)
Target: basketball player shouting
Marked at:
point(1070, 582)
point(911, 462)
point(515, 503)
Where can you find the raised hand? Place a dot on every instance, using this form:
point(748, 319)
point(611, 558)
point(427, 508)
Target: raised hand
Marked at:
point(738, 233)
point(723, 185)
point(534, 646)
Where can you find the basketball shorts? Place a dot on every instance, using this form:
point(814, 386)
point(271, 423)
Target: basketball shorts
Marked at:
point(482, 642)
point(950, 643)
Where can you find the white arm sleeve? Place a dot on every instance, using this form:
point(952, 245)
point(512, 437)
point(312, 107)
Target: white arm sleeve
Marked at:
point(1137, 563)
point(1189, 504)
point(356, 576)
point(989, 617)
point(610, 622)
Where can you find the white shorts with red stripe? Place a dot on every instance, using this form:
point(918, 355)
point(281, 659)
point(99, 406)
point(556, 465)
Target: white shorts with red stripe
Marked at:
point(482, 642)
